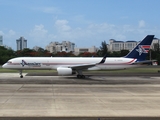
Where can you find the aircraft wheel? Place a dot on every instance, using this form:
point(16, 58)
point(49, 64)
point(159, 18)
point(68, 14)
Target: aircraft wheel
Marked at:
point(80, 76)
point(21, 76)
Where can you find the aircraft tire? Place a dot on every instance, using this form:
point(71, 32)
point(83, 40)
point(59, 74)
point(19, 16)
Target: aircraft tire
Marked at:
point(80, 76)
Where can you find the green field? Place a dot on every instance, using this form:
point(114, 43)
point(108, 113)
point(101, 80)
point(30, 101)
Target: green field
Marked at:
point(147, 69)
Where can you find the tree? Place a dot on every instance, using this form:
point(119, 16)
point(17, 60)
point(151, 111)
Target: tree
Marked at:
point(115, 54)
point(6, 54)
point(87, 54)
point(124, 52)
point(103, 49)
point(156, 47)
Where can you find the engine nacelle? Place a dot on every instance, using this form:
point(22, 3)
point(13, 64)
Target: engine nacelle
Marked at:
point(64, 71)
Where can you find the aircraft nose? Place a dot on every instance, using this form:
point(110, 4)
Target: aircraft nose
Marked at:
point(4, 65)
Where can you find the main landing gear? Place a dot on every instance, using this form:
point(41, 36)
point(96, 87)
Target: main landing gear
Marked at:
point(80, 75)
point(20, 72)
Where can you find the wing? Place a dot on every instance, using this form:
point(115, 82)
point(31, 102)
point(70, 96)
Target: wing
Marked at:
point(86, 66)
point(82, 66)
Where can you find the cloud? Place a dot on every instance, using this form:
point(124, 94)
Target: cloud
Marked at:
point(62, 25)
point(49, 10)
point(39, 32)
point(141, 24)
point(92, 34)
point(80, 19)
point(12, 33)
point(83, 36)
point(38, 36)
point(8, 34)
point(9, 38)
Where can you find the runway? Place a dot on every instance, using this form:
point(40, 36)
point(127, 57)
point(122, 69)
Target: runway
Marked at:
point(93, 98)
point(48, 78)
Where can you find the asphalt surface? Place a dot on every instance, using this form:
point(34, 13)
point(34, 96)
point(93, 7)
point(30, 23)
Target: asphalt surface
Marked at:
point(98, 97)
point(91, 78)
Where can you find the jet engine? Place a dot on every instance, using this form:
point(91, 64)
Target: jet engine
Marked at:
point(65, 71)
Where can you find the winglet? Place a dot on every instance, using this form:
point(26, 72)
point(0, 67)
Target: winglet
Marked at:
point(103, 59)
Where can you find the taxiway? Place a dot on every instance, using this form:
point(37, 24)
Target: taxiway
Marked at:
point(68, 97)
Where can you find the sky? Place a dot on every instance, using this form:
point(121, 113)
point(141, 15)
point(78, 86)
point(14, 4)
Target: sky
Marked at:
point(84, 22)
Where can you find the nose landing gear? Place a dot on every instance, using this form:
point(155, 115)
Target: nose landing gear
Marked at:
point(20, 72)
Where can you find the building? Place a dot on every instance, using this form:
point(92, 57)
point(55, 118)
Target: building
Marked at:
point(155, 43)
point(92, 49)
point(115, 45)
point(55, 47)
point(1, 40)
point(121, 45)
point(128, 45)
point(1, 43)
point(21, 43)
point(7, 47)
point(36, 48)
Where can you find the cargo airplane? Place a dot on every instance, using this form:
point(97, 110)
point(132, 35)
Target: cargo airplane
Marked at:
point(73, 65)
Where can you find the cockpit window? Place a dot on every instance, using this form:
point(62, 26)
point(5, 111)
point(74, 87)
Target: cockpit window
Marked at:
point(9, 62)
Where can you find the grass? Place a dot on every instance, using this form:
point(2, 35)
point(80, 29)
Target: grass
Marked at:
point(148, 69)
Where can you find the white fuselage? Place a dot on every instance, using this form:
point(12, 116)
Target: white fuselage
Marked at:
point(56, 62)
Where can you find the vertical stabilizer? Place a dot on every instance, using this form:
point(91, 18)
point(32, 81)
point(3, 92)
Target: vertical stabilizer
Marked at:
point(141, 50)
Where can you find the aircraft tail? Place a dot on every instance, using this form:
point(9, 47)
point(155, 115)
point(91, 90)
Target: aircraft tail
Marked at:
point(141, 50)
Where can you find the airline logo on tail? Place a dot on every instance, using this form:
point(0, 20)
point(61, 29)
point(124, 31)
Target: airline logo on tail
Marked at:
point(30, 64)
point(143, 49)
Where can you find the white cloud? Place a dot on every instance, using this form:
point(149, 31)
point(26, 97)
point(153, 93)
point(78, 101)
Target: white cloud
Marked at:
point(9, 38)
point(38, 36)
point(81, 20)
point(8, 34)
point(11, 33)
point(62, 25)
point(91, 34)
point(50, 10)
point(141, 24)
point(38, 32)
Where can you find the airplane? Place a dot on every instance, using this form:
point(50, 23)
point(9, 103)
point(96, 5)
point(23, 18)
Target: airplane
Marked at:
point(72, 65)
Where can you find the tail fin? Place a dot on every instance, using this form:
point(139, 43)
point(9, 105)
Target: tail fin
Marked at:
point(141, 50)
